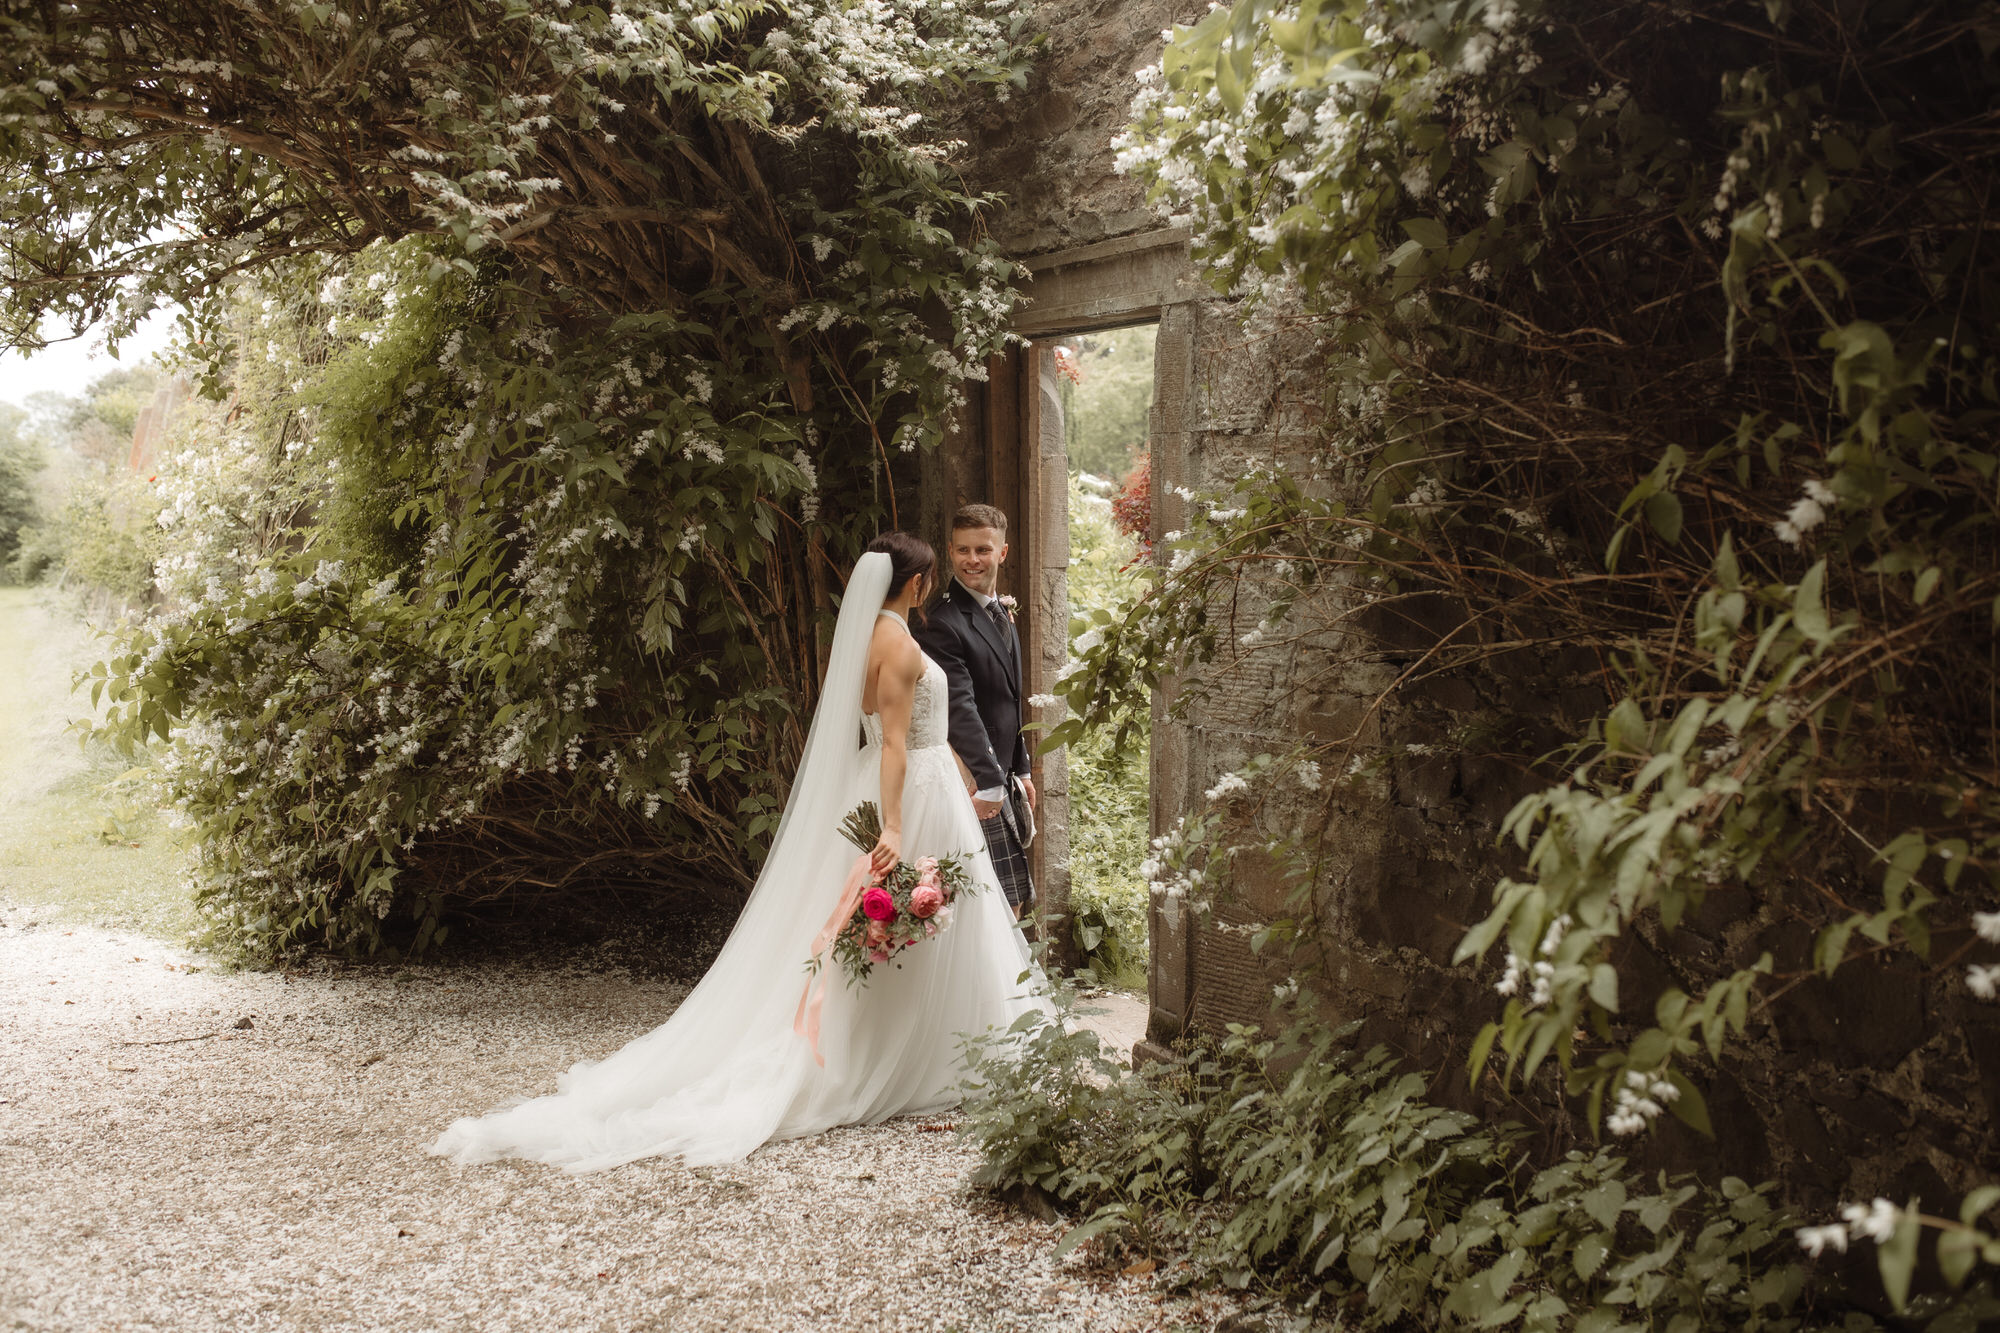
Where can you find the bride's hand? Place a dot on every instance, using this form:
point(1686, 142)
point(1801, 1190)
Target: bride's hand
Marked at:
point(887, 853)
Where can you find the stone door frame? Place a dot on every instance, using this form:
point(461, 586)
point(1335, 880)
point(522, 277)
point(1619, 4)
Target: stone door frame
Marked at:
point(1139, 279)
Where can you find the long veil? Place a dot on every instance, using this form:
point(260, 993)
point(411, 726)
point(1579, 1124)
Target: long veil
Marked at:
point(713, 1082)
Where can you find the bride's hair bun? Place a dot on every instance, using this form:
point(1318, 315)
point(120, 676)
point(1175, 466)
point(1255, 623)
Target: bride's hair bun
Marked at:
point(910, 556)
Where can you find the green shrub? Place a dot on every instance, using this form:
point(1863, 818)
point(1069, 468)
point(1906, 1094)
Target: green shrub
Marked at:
point(1297, 1168)
point(100, 539)
point(507, 574)
point(1109, 786)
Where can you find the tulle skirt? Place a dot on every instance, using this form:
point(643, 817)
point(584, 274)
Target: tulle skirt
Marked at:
point(727, 1072)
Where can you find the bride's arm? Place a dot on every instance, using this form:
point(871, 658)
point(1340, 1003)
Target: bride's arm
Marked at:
point(895, 690)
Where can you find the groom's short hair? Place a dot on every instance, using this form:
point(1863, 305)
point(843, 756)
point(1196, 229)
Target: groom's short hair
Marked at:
point(979, 516)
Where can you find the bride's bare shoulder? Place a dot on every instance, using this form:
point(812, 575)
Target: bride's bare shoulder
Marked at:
point(893, 648)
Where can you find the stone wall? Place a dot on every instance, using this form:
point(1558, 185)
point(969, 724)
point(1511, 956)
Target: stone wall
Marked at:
point(1885, 1082)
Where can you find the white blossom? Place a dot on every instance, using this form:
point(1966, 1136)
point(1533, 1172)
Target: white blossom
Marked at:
point(1875, 1221)
point(1226, 785)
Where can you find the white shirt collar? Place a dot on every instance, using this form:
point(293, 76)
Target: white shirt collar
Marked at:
point(977, 596)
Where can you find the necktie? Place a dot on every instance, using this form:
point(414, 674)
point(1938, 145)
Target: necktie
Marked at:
point(998, 613)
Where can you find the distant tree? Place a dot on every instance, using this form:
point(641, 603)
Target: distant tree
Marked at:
point(20, 459)
point(1112, 395)
point(99, 424)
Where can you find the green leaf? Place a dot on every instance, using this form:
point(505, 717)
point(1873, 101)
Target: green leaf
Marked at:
point(1590, 1253)
point(1898, 1258)
point(1482, 1047)
point(1428, 233)
point(1663, 511)
point(1690, 1108)
point(1905, 854)
point(1808, 610)
point(1625, 730)
point(1096, 1226)
point(1227, 86)
point(1977, 1202)
point(1605, 1202)
point(1604, 986)
point(1957, 1252)
point(1830, 949)
point(1927, 583)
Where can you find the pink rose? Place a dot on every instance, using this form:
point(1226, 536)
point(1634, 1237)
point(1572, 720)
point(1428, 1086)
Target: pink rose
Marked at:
point(877, 956)
point(925, 900)
point(927, 867)
point(878, 932)
point(878, 905)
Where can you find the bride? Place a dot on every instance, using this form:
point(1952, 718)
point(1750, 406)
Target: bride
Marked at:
point(728, 1071)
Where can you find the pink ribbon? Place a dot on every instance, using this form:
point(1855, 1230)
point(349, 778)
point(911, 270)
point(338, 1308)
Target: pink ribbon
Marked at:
point(806, 1021)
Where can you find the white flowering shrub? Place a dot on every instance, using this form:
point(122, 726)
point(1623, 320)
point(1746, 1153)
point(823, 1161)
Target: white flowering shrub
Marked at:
point(1644, 336)
point(566, 366)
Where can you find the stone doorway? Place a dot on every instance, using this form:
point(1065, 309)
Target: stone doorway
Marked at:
point(1011, 450)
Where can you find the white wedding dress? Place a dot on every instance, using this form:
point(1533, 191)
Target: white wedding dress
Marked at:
point(727, 1072)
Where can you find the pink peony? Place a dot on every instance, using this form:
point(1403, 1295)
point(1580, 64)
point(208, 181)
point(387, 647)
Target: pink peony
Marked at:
point(878, 932)
point(878, 905)
point(877, 956)
point(925, 900)
point(927, 867)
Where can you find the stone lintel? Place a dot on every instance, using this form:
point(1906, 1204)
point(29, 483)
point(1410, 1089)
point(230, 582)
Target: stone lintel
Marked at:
point(1127, 280)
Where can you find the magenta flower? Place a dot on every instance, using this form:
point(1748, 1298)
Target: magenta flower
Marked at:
point(878, 905)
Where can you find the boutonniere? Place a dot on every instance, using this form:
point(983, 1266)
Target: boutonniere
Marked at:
point(1009, 605)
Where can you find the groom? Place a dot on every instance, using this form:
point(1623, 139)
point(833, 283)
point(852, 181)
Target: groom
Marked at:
point(969, 632)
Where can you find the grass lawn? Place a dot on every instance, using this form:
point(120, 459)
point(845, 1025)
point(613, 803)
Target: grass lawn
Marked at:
point(75, 845)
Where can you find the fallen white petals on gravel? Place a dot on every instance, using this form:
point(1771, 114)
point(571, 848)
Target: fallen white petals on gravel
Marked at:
point(272, 1175)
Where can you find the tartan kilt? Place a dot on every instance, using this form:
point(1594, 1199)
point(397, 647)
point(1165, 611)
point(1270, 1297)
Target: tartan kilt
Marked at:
point(1010, 863)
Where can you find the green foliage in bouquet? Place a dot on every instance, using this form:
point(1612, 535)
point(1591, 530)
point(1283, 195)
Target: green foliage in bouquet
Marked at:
point(904, 906)
point(576, 352)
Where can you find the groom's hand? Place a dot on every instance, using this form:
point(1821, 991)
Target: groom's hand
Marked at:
point(1028, 786)
point(985, 809)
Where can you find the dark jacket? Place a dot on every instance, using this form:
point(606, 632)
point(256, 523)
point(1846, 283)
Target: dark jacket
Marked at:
point(983, 664)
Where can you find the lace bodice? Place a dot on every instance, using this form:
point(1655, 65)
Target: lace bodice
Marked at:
point(928, 716)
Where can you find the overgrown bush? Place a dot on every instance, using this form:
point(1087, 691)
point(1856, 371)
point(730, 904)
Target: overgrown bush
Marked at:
point(99, 539)
point(1659, 342)
point(582, 353)
point(1297, 1169)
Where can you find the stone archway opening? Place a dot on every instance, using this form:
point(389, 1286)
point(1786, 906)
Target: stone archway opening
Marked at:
point(1103, 383)
point(1011, 448)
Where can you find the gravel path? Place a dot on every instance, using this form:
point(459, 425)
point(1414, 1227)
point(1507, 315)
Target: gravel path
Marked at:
point(192, 1149)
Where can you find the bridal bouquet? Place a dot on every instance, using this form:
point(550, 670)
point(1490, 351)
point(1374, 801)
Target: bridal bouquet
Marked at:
point(909, 904)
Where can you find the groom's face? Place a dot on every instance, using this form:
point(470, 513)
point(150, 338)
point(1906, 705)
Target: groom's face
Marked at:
point(976, 557)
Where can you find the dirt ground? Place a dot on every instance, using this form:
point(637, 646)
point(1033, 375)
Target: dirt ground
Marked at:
point(184, 1148)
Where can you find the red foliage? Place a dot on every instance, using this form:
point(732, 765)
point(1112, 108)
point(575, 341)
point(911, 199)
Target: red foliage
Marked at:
point(1067, 365)
point(1132, 507)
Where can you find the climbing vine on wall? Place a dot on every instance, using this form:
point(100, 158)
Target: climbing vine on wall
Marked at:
point(1662, 336)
